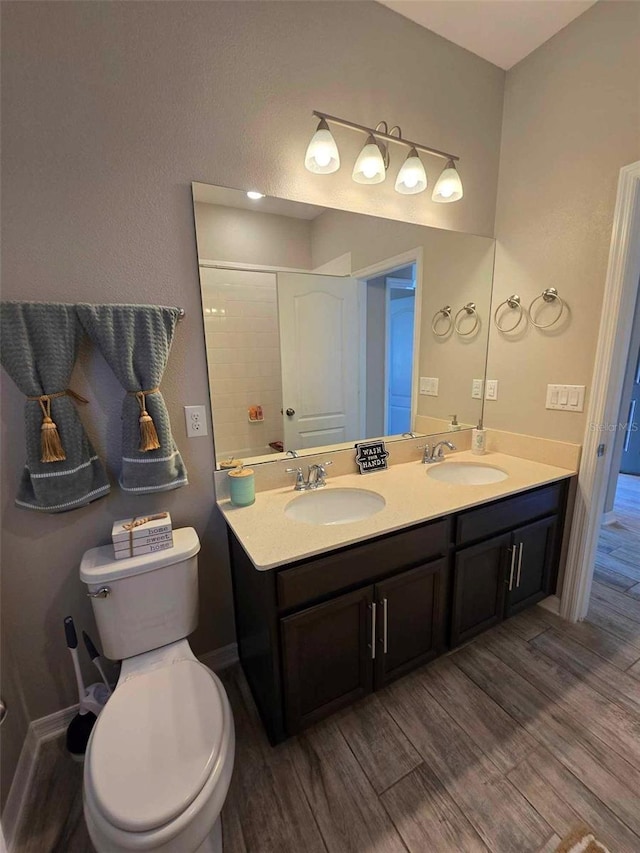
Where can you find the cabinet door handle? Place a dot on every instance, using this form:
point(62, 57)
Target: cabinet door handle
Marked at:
point(373, 630)
point(519, 563)
point(513, 565)
point(384, 626)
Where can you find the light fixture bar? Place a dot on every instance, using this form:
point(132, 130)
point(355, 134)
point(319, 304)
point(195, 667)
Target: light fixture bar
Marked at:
point(387, 136)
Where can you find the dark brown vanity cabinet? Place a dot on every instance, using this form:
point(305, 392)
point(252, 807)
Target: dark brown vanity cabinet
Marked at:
point(316, 635)
point(336, 652)
point(502, 574)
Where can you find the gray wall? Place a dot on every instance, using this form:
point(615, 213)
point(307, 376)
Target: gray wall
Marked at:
point(571, 121)
point(110, 110)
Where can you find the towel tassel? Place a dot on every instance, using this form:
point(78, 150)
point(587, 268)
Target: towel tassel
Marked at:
point(148, 435)
point(50, 442)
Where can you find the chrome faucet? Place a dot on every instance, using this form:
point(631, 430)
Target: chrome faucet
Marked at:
point(316, 477)
point(437, 454)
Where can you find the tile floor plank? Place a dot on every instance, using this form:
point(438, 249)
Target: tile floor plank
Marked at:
point(600, 769)
point(501, 816)
point(496, 733)
point(382, 749)
point(426, 816)
point(565, 802)
point(608, 680)
point(620, 603)
point(344, 804)
point(621, 627)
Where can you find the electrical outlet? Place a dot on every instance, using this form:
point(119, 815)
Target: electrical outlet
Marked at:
point(491, 392)
point(477, 387)
point(429, 386)
point(196, 420)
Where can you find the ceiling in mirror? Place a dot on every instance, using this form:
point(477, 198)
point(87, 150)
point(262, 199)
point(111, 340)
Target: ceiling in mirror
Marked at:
point(325, 327)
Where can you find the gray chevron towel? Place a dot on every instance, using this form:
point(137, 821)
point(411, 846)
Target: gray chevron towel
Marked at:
point(38, 348)
point(135, 341)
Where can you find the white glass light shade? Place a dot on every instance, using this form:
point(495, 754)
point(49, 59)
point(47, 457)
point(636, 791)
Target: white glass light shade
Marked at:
point(448, 186)
point(412, 177)
point(322, 155)
point(369, 168)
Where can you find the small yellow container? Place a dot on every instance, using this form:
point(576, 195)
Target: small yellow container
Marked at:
point(242, 486)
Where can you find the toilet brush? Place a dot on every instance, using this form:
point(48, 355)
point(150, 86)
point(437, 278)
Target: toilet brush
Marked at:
point(80, 727)
point(94, 654)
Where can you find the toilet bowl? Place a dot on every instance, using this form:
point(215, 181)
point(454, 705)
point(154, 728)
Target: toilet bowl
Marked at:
point(160, 757)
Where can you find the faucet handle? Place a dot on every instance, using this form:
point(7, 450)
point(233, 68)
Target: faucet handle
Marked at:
point(300, 483)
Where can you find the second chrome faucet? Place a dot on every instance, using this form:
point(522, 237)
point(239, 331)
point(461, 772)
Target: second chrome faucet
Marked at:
point(437, 454)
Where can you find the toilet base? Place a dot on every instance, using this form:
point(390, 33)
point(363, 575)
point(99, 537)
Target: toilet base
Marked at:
point(213, 842)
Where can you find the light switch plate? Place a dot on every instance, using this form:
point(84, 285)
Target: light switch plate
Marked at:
point(196, 421)
point(477, 387)
point(491, 390)
point(429, 386)
point(566, 398)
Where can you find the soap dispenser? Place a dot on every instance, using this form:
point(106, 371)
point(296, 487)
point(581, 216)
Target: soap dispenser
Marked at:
point(478, 439)
point(454, 426)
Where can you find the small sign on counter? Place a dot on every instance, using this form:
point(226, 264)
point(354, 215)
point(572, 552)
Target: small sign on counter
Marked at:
point(371, 456)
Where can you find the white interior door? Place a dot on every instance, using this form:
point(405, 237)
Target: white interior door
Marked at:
point(320, 349)
point(399, 361)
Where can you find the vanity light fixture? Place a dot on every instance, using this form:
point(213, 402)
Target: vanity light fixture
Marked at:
point(448, 186)
point(255, 195)
point(322, 157)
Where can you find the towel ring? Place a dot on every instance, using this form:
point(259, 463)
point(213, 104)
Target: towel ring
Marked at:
point(514, 303)
point(440, 315)
point(548, 295)
point(468, 309)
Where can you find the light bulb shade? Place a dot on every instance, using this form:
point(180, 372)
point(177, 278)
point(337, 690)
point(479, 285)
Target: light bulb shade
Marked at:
point(412, 177)
point(370, 167)
point(448, 186)
point(322, 155)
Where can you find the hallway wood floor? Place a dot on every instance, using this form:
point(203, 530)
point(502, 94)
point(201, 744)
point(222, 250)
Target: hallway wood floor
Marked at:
point(503, 745)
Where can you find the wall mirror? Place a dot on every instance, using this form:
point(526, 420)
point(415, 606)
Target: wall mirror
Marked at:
point(325, 327)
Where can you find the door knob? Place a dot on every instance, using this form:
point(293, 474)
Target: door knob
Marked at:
point(290, 412)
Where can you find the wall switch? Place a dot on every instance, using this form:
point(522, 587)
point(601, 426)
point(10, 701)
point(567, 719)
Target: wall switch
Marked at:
point(429, 386)
point(567, 398)
point(491, 392)
point(196, 420)
point(477, 387)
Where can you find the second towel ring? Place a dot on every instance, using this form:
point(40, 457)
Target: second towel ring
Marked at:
point(443, 313)
point(548, 295)
point(514, 303)
point(468, 309)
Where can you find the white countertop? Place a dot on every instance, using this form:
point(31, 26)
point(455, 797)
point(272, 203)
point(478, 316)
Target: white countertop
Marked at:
point(272, 539)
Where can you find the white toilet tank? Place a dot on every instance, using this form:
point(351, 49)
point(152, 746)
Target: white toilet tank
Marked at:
point(147, 601)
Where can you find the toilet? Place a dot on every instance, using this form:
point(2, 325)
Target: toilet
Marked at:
point(160, 757)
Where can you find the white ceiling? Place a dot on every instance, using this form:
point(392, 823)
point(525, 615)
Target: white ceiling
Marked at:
point(502, 31)
point(238, 198)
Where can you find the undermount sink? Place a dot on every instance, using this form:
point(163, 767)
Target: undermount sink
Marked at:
point(334, 506)
point(466, 473)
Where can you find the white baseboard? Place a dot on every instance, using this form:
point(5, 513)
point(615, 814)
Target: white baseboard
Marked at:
point(609, 518)
point(22, 778)
point(552, 604)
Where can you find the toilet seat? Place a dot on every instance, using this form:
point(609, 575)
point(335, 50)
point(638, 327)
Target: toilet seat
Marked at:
point(155, 746)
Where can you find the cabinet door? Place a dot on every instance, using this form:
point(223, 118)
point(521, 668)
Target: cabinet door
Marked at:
point(535, 553)
point(327, 657)
point(479, 587)
point(411, 620)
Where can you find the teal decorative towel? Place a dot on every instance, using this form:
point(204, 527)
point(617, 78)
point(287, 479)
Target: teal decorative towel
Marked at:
point(135, 341)
point(38, 348)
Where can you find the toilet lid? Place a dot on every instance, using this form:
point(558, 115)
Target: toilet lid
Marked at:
point(155, 745)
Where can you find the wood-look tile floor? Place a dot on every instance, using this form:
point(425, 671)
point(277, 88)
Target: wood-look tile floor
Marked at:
point(503, 745)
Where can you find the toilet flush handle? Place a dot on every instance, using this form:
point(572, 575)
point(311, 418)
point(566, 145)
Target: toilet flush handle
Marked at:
point(103, 592)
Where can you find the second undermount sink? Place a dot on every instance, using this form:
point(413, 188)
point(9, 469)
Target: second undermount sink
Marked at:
point(467, 473)
point(334, 506)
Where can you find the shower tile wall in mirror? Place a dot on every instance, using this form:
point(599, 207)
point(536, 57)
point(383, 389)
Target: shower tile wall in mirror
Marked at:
point(319, 324)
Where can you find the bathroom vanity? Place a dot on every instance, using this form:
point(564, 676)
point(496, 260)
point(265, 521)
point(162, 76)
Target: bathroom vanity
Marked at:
point(319, 632)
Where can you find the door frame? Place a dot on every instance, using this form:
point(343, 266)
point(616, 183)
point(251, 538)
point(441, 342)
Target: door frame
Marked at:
point(620, 295)
point(411, 256)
